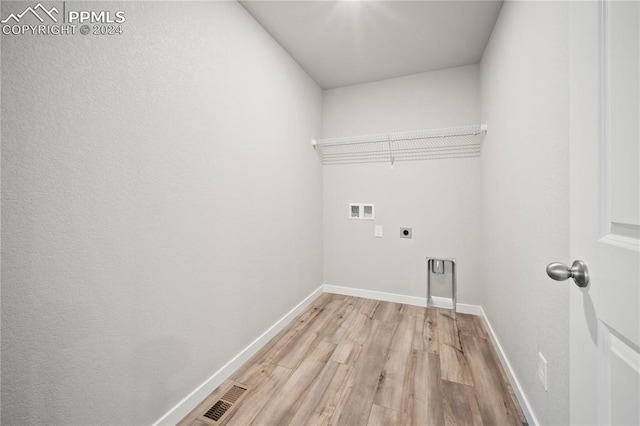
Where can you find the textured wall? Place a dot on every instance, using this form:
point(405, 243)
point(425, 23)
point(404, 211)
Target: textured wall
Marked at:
point(525, 195)
point(161, 207)
point(439, 199)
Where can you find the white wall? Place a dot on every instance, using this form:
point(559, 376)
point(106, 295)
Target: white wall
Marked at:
point(161, 208)
point(525, 196)
point(439, 199)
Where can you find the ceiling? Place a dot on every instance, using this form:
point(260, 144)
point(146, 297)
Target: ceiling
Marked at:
point(340, 43)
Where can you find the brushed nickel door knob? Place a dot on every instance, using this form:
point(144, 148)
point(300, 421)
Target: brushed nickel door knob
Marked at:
point(578, 271)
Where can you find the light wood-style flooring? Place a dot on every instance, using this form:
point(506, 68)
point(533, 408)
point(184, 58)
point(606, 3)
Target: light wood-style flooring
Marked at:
point(352, 361)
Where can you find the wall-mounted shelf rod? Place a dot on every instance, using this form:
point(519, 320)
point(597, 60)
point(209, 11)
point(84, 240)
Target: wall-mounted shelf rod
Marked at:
point(452, 142)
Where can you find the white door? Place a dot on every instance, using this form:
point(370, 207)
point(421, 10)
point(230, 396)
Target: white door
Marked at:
point(604, 48)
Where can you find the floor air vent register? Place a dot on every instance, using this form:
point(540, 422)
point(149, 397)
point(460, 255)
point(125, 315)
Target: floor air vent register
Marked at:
point(224, 406)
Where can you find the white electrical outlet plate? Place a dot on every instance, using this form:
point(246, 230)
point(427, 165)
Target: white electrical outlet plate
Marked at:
point(378, 231)
point(542, 370)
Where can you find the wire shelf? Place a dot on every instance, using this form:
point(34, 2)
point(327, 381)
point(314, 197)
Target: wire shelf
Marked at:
point(452, 142)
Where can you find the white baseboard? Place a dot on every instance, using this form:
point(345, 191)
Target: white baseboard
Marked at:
point(522, 398)
point(463, 308)
point(441, 302)
point(376, 295)
point(191, 401)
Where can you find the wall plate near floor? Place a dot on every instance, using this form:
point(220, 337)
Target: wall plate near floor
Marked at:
point(441, 283)
point(542, 370)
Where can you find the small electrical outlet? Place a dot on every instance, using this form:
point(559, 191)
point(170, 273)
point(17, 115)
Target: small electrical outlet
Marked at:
point(542, 370)
point(378, 231)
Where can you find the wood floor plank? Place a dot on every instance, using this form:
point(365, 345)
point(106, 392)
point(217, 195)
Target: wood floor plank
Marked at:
point(473, 404)
point(366, 375)
point(383, 416)
point(421, 367)
point(347, 389)
point(431, 330)
point(419, 334)
point(368, 307)
point(288, 336)
point(343, 316)
point(336, 301)
point(417, 413)
point(262, 388)
point(453, 366)
point(393, 390)
point(330, 328)
point(283, 405)
point(331, 399)
point(426, 404)
point(435, 407)
point(471, 325)
point(296, 350)
point(328, 319)
point(496, 405)
point(426, 330)
point(412, 310)
point(447, 328)
point(458, 404)
point(359, 329)
point(387, 311)
point(346, 351)
point(308, 405)
point(356, 337)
